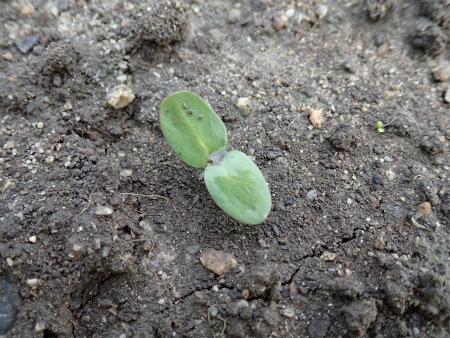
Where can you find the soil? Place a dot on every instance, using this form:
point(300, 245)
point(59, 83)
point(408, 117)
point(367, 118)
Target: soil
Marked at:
point(90, 249)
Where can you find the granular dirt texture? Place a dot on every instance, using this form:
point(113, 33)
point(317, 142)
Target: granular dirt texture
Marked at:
point(102, 226)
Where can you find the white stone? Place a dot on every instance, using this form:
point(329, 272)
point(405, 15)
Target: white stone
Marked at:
point(34, 282)
point(122, 78)
point(68, 105)
point(328, 256)
point(447, 96)
point(390, 175)
point(234, 15)
point(40, 327)
point(102, 210)
point(290, 13)
point(322, 11)
point(243, 102)
point(32, 239)
point(288, 312)
point(120, 96)
point(40, 125)
point(50, 159)
point(126, 173)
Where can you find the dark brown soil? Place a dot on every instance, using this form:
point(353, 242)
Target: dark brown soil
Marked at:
point(88, 249)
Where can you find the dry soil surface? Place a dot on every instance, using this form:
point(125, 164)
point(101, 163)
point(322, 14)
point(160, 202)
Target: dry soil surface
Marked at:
point(102, 226)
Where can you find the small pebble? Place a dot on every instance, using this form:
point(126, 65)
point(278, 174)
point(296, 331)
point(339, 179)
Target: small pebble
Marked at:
point(50, 159)
point(122, 78)
point(290, 13)
point(423, 209)
point(316, 117)
point(288, 312)
point(376, 179)
point(278, 23)
point(120, 96)
point(25, 44)
point(373, 202)
point(242, 303)
point(126, 173)
point(34, 282)
point(32, 239)
point(312, 194)
point(390, 175)
point(102, 210)
point(27, 10)
point(40, 125)
point(441, 74)
point(243, 102)
point(234, 15)
point(213, 311)
point(40, 327)
point(322, 11)
point(382, 49)
point(7, 56)
point(447, 96)
point(328, 256)
point(379, 244)
point(219, 262)
point(68, 106)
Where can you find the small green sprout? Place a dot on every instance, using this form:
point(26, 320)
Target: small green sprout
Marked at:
point(436, 259)
point(199, 138)
point(380, 127)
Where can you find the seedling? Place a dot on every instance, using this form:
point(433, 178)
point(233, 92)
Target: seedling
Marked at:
point(381, 126)
point(199, 138)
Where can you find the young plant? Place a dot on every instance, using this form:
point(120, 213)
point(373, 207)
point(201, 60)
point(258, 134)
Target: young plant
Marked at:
point(380, 127)
point(199, 138)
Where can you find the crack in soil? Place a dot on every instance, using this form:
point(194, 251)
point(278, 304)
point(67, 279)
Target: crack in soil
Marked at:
point(318, 254)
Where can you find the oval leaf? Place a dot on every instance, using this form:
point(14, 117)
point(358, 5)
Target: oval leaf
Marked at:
point(191, 127)
point(238, 186)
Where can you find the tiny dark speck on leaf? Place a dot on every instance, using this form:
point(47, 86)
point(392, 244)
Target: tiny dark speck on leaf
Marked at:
point(200, 116)
point(190, 111)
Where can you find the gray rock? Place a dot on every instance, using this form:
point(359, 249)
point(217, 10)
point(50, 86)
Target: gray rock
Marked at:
point(213, 311)
point(312, 194)
point(25, 44)
point(359, 315)
point(9, 302)
point(318, 326)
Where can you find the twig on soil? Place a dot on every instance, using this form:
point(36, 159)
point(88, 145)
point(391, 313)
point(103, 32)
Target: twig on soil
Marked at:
point(116, 139)
point(385, 125)
point(87, 206)
point(414, 222)
point(297, 117)
point(6, 186)
point(157, 196)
